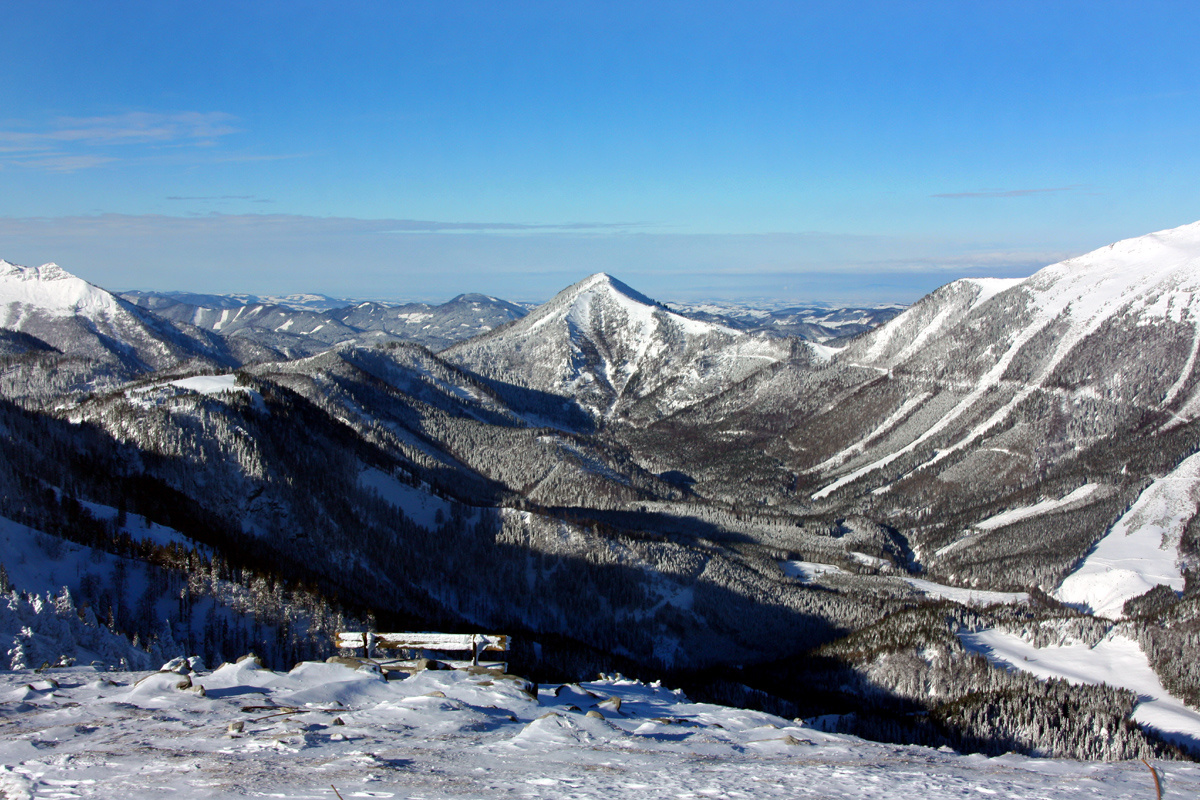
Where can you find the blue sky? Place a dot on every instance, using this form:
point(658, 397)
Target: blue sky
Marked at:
point(812, 151)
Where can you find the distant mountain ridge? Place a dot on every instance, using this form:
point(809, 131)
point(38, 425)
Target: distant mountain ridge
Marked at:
point(302, 325)
point(817, 323)
point(299, 301)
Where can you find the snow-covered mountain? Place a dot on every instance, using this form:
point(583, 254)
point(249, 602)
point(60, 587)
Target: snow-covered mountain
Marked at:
point(1115, 330)
point(435, 326)
point(624, 485)
point(617, 352)
point(1003, 426)
point(85, 323)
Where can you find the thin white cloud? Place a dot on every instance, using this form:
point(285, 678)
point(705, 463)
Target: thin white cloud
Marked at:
point(216, 197)
point(350, 257)
point(246, 158)
point(65, 163)
point(1007, 192)
point(135, 127)
point(71, 143)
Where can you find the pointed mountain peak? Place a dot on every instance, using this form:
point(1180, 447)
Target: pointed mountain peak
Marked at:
point(46, 272)
point(603, 282)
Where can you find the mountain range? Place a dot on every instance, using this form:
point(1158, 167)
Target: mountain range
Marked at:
point(307, 324)
point(809, 524)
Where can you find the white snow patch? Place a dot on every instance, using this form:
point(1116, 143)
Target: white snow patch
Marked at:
point(967, 597)
point(809, 571)
point(869, 561)
point(1036, 510)
point(1142, 549)
point(990, 287)
point(210, 384)
point(141, 529)
point(206, 385)
point(421, 507)
point(1116, 660)
point(823, 352)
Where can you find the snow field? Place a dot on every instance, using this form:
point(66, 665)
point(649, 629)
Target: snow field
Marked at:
point(1142, 549)
point(421, 507)
point(809, 571)
point(211, 385)
point(967, 597)
point(323, 728)
point(812, 572)
point(141, 529)
point(1116, 660)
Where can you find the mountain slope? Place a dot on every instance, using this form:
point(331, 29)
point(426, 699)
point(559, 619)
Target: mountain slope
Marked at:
point(616, 352)
point(1119, 326)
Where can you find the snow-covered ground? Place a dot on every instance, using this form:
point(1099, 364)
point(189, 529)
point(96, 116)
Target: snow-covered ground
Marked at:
point(1116, 660)
point(141, 529)
point(421, 507)
point(809, 571)
point(1142, 549)
point(209, 384)
point(327, 730)
point(967, 597)
point(200, 384)
point(812, 572)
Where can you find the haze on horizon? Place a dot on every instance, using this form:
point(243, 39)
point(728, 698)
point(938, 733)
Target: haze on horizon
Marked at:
point(848, 152)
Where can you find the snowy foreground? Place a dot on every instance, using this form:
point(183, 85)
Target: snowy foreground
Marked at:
point(325, 730)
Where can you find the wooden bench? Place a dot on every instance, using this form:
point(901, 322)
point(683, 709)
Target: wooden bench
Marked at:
point(474, 643)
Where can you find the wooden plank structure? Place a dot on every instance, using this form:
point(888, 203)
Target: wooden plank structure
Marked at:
point(474, 643)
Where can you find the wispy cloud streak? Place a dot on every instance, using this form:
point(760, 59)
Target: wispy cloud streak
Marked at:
point(68, 144)
point(131, 128)
point(352, 257)
point(1007, 192)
